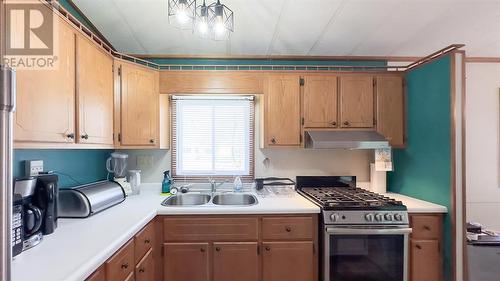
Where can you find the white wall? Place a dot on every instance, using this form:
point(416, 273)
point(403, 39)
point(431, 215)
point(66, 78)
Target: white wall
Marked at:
point(482, 144)
point(281, 162)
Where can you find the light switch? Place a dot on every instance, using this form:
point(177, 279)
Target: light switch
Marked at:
point(144, 161)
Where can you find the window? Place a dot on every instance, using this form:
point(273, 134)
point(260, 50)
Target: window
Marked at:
point(212, 136)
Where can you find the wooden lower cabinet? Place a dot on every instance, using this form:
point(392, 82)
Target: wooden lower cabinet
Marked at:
point(145, 269)
point(98, 275)
point(288, 261)
point(206, 248)
point(186, 261)
point(236, 261)
point(426, 257)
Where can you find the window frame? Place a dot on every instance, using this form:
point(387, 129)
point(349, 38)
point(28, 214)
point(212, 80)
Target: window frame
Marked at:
point(251, 140)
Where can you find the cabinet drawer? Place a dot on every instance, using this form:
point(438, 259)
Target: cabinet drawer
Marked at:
point(426, 226)
point(287, 228)
point(210, 229)
point(145, 269)
point(143, 241)
point(121, 264)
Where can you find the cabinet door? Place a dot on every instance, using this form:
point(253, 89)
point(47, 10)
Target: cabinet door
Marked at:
point(320, 101)
point(235, 261)
point(145, 269)
point(288, 261)
point(390, 109)
point(425, 260)
point(94, 90)
point(45, 110)
point(139, 106)
point(98, 275)
point(121, 264)
point(186, 261)
point(282, 115)
point(356, 101)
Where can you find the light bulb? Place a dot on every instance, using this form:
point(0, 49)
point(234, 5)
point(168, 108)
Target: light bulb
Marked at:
point(203, 27)
point(182, 15)
point(219, 28)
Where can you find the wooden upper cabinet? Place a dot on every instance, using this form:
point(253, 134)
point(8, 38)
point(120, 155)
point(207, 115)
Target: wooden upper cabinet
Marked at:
point(186, 261)
point(282, 111)
point(390, 109)
point(356, 101)
point(288, 261)
point(320, 101)
point(94, 89)
point(45, 110)
point(139, 100)
point(235, 261)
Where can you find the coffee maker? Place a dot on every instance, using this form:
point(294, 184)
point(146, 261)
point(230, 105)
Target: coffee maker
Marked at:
point(117, 165)
point(28, 216)
point(46, 197)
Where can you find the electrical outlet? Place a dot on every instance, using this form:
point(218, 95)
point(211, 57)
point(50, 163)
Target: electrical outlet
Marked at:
point(144, 161)
point(33, 167)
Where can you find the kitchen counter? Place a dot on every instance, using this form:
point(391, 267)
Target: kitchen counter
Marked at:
point(416, 205)
point(80, 246)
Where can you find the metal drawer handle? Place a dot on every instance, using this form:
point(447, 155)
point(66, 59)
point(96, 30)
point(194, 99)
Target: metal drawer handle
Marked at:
point(346, 123)
point(273, 140)
point(147, 241)
point(217, 249)
point(151, 141)
point(288, 228)
point(268, 248)
point(141, 270)
point(202, 250)
point(427, 228)
point(418, 247)
point(125, 265)
point(85, 137)
point(333, 123)
point(70, 136)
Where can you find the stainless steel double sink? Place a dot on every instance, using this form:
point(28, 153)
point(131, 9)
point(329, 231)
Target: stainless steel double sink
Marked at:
point(223, 199)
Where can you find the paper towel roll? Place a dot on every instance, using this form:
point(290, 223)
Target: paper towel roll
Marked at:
point(378, 182)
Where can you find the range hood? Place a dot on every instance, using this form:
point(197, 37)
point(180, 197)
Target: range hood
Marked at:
point(345, 140)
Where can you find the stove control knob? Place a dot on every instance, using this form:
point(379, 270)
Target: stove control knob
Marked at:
point(334, 217)
point(369, 217)
point(379, 217)
point(388, 217)
point(398, 217)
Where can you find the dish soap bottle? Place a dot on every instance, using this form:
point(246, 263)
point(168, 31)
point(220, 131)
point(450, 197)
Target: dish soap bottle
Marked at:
point(166, 183)
point(238, 185)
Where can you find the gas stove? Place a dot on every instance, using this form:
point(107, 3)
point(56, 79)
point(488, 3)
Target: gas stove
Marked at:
point(344, 203)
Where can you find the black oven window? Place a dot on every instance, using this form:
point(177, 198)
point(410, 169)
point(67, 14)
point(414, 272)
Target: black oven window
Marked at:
point(366, 257)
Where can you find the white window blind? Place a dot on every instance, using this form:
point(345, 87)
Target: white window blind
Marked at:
point(212, 137)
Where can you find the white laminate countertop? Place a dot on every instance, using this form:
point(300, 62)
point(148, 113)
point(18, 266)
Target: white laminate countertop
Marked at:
point(79, 246)
point(416, 205)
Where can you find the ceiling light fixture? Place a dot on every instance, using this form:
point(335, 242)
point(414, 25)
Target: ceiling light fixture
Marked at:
point(215, 21)
point(181, 13)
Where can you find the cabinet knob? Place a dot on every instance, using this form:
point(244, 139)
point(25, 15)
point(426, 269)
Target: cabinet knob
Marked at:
point(85, 137)
point(418, 247)
point(217, 249)
point(151, 141)
point(125, 265)
point(268, 248)
point(288, 229)
point(273, 140)
point(202, 250)
point(346, 123)
point(427, 228)
point(70, 136)
point(141, 270)
point(333, 123)
point(147, 241)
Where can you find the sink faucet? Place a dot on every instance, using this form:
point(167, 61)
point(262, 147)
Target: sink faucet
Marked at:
point(214, 185)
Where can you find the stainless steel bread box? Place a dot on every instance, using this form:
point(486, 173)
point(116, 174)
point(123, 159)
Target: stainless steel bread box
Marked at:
point(86, 200)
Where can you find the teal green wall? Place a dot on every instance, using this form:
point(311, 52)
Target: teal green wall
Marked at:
point(83, 165)
point(423, 169)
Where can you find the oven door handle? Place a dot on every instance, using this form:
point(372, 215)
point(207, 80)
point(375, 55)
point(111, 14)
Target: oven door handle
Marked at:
point(368, 231)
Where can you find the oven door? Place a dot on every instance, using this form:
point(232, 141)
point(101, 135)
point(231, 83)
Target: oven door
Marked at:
point(368, 254)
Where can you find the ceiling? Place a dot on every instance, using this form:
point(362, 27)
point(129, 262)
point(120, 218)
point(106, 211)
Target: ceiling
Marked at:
point(308, 27)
